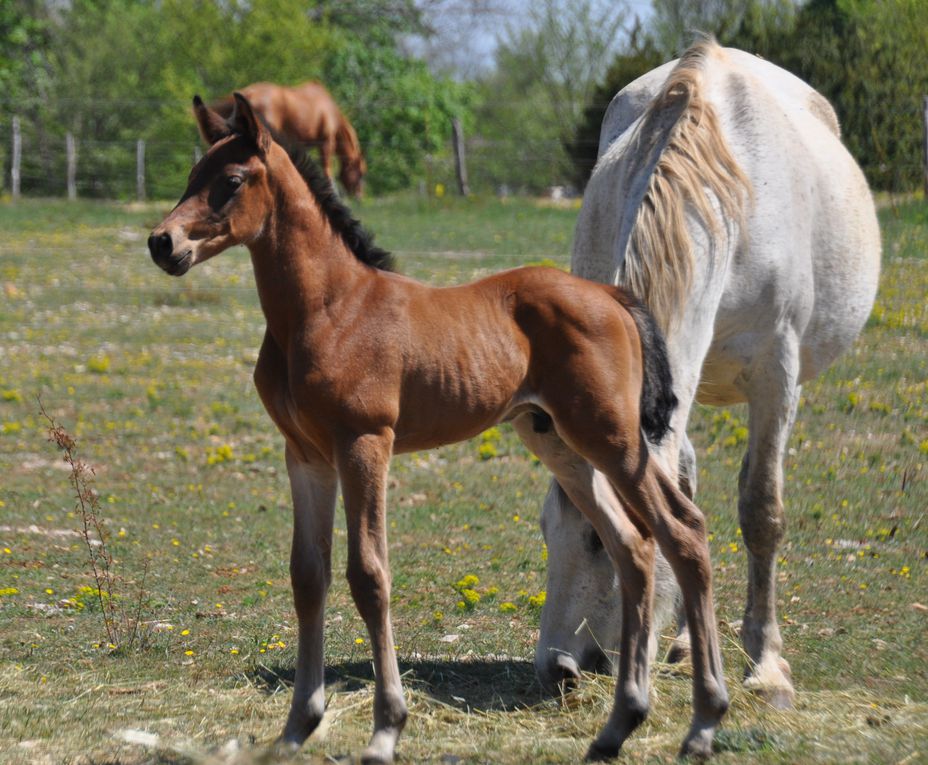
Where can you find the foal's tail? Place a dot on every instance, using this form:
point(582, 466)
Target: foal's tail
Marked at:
point(658, 400)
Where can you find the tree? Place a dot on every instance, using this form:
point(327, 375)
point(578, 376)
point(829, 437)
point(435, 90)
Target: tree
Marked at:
point(114, 71)
point(870, 59)
point(545, 74)
point(24, 80)
point(676, 23)
point(640, 57)
point(402, 113)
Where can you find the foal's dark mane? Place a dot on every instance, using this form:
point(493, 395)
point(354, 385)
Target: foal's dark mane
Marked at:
point(358, 239)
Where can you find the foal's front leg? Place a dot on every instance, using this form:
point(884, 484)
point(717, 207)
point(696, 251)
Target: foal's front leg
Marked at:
point(314, 486)
point(362, 466)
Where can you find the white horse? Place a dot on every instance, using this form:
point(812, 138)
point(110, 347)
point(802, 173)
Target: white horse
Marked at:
point(724, 198)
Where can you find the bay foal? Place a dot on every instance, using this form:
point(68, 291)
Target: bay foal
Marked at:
point(359, 363)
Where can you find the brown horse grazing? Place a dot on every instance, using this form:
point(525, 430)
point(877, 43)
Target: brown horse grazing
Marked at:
point(359, 363)
point(307, 114)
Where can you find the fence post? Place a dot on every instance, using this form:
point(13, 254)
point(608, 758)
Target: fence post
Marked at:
point(925, 126)
point(72, 166)
point(17, 157)
point(460, 165)
point(140, 169)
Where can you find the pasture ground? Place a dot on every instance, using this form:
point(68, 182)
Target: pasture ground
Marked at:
point(152, 376)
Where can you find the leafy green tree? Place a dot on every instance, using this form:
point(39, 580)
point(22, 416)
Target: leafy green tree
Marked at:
point(676, 23)
point(870, 59)
point(24, 83)
point(546, 72)
point(402, 113)
point(119, 70)
point(641, 56)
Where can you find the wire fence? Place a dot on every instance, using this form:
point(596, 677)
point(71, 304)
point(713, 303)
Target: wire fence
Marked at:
point(40, 159)
point(37, 162)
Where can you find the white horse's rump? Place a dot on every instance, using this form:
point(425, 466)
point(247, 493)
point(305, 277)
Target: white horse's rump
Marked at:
point(723, 195)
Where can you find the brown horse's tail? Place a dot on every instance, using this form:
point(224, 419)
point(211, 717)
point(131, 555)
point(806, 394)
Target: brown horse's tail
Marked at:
point(658, 401)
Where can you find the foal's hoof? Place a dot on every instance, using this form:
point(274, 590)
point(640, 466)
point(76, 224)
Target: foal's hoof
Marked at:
point(770, 681)
point(284, 749)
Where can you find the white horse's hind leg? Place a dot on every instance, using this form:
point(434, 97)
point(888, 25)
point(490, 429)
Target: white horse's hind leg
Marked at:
point(773, 393)
point(314, 488)
point(680, 647)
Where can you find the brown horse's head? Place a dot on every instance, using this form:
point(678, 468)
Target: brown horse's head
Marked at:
point(227, 199)
point(352, 175)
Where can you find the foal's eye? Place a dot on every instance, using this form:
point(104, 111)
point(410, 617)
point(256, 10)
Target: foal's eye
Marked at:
point(233, 182)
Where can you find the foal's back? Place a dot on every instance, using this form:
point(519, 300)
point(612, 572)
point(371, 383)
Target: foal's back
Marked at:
point(488, 347)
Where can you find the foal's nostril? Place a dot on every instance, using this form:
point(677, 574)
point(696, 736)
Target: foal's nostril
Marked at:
point(160, 246)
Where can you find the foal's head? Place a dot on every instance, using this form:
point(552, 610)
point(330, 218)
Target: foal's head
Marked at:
point(228, 196)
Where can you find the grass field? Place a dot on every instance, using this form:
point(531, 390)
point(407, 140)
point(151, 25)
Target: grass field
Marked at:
point(152, 375)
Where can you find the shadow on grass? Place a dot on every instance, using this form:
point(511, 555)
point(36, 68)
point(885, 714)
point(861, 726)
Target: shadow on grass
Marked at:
point(500, 685)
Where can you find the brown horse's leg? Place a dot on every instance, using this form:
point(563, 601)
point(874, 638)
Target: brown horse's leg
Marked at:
point(362, 468)
point(631, 549)
point(679, 527)
point(314, 487)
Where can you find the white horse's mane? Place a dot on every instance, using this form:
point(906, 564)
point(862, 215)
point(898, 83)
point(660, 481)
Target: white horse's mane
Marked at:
point(694, 166)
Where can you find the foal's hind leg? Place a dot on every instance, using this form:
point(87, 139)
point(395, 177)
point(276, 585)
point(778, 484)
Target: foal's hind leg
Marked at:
point(362, 468)
point(631, 549)
point(615, 446)
point(314, 487)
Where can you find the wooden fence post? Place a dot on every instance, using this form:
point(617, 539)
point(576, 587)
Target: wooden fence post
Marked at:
point(460, 166)
point(140, 169)
point(72, 166)
point(17, 157)
point(925, 127)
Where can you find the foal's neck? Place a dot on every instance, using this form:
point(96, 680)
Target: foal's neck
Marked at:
point(302, 266)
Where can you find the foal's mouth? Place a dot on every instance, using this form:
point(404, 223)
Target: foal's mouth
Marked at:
point(176, 266)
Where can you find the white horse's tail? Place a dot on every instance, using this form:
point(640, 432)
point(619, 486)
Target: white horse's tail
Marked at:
point(693, 167)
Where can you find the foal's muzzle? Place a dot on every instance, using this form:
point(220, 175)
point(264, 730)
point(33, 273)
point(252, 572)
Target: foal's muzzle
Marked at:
point(161, 247)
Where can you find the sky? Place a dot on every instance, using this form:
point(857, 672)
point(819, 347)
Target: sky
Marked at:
point(467, 31)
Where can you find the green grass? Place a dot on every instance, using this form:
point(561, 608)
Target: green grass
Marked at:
point(152, 375)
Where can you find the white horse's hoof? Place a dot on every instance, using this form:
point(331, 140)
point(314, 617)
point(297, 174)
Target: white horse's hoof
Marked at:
point(771, 681)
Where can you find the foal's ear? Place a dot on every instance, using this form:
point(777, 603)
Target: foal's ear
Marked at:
point(212, 126)
point(247, 123)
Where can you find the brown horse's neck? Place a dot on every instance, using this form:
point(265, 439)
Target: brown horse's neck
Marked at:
point(301, 265)
point(346, 141)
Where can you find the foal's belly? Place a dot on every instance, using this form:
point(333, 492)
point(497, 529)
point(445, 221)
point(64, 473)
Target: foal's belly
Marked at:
point(454, 396)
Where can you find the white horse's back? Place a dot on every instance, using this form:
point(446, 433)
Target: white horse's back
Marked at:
point(810, 236)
